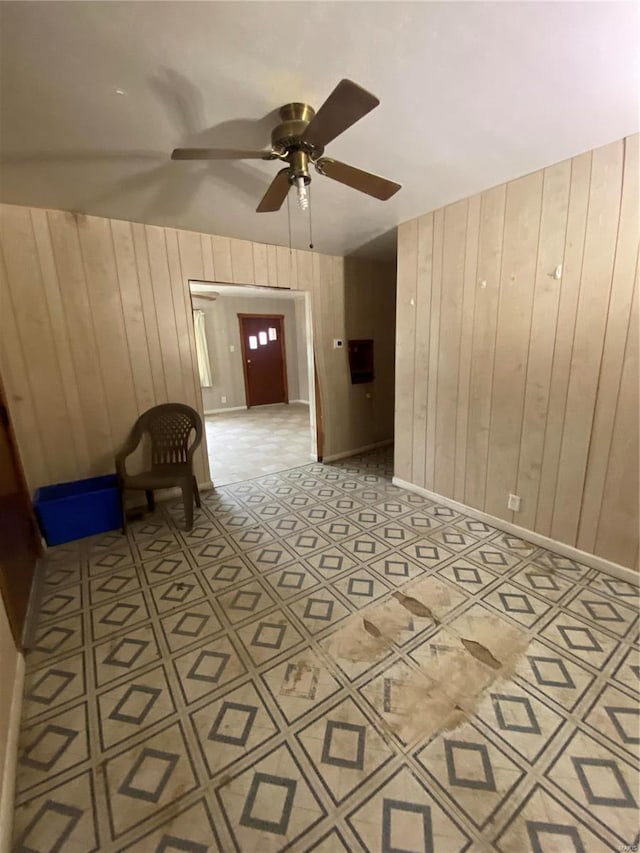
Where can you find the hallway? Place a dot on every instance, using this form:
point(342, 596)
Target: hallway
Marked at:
point(257, 441)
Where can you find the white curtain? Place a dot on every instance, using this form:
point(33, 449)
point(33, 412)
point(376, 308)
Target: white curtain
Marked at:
point(202, 350)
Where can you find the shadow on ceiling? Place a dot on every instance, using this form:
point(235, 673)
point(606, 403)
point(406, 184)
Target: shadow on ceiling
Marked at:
point(168, 187)
point(384, 247)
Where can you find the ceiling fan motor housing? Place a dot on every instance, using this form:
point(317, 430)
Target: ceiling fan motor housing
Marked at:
point(287, 137)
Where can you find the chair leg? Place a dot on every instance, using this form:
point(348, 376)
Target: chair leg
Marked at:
point(187, 499)
point(123, 509)
point(196, 493)
point(151, 503)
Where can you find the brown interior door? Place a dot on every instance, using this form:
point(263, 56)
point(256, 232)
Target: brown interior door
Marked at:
point(264, 358)
point(19, 539)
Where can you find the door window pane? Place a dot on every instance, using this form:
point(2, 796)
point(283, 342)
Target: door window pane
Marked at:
point(273, 336)
point(253, 342)
point(262, 337)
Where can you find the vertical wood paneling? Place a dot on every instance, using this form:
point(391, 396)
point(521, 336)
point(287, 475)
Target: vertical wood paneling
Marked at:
point(553, 223)
point(190, 392)
point(61, 337)
point(421, 353)
point(617, 537)
point(95, 411)
point(16, 381)
point(152, 333)
point(521, 230)
point(531, 382)
point(208, 269)
point(272, 266)
point(466, 336)
point(405, 346)
point(34, 332)
point(133, 314)
point(191, 266)
point(293, 274)
point(108, 323)
point(434, 343)
point(159, 267)
point(260, 264)
point(283, 265)
point(384, 320)
point(305, 270)
point(483, 342)
point(563, 342)
point(448, 359)
point(222, 258)
point(242, 262)
point(625, 267)
point(597, 271)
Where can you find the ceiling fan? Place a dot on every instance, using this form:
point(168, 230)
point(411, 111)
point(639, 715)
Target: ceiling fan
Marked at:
point(299, 141)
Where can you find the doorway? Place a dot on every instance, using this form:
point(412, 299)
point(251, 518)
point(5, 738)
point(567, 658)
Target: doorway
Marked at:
point(257, 379)
point(263, 359)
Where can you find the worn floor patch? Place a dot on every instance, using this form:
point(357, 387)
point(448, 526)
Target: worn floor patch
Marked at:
point(481, 653)
point(450, 672)
point(414, 606)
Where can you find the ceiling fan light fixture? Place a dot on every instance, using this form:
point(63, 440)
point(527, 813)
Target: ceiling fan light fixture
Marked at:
point(303, 193)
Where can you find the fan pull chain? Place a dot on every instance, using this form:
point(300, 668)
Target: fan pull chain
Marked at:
point(289, 219)
point(310, 227)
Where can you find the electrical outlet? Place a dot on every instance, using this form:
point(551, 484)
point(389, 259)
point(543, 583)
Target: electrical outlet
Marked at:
point(232, 348)
point(223, 399)
point(514, 503)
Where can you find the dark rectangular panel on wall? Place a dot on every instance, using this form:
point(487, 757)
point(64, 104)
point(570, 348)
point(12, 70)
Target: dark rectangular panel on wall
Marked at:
point(361, 361)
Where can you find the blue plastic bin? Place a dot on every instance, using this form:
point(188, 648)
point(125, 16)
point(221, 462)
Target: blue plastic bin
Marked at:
point(69, 511)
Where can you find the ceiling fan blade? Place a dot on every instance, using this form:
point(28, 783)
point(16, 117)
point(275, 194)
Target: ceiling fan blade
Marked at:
point(364, 182)
point(274, 197)
point(346, 105)
point(219, 154)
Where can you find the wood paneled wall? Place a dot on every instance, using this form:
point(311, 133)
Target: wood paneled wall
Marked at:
point(370, 309)
point(95, 327)
point(509, 380)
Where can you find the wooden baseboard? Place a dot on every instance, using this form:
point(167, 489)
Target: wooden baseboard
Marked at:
point(347, 453)
point(609, 568)
point(11, 759)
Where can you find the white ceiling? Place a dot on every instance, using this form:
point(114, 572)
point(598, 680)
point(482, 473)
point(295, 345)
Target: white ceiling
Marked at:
point(472, 94)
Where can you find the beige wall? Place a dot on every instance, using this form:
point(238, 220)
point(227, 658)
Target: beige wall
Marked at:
point(223, 332)
point(95, 327)
point(509, 380)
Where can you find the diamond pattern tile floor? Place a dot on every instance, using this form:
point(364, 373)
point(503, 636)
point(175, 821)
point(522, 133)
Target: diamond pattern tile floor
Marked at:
point(327, 663)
